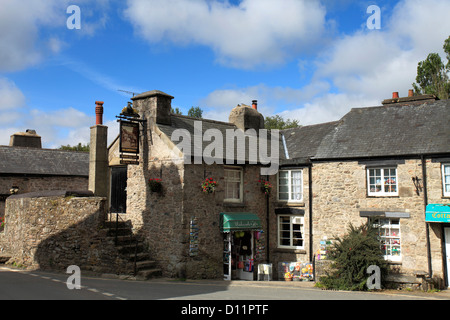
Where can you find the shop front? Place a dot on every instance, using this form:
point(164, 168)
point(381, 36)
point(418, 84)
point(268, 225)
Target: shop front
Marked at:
point(440, 213)
point(242, 244)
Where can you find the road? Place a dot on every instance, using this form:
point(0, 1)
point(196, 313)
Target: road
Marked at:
point(38, 285)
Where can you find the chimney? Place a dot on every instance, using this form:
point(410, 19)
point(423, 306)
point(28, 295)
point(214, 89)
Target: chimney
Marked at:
point(255, 104)
point(98, 155)
point(28, 139)
point(410, 99)
point(154, 106)
point(245, 117)
point(99, 112)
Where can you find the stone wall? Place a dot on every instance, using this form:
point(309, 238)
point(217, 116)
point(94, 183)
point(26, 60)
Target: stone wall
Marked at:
point(39, 183)
point(54, 231)
point(340, 193)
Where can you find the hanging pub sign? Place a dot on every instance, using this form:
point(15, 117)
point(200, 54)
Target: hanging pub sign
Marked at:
point(129, 142)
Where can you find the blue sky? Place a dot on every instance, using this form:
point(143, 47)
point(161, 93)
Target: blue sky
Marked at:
point(303, 59)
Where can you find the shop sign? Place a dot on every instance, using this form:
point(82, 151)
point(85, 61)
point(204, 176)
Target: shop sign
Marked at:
point(240, 221)
point(438, 213)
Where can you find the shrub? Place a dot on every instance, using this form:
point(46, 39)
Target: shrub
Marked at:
point(351, 257)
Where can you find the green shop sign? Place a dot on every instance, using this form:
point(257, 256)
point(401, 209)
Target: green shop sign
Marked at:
point(438, 213)
point(239, 221)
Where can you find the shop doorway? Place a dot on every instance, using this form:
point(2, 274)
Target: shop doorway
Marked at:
point(238, 255)
point(447, 253)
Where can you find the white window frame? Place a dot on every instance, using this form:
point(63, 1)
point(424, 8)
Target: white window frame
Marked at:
point(381, 182)
point(290, 185)
point(293, 220)
point(231, 181)
point(445, 179)
point(390, 238)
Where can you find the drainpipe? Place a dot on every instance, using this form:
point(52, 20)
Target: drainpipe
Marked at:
point(310, 200)
point(268, 229)
point(425, 203)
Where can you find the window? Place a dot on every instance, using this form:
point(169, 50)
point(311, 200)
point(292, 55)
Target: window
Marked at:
point(382, 182)
point(290, 232)
point(389, 236)
point(233, 185)
point(446, 179)
point(290, 185)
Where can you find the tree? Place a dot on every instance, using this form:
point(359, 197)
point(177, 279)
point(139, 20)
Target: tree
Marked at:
point(78, 147)
point(195, 112)
point(176, 111)
point(432, 74)
point(352, 255)
point(277, 122)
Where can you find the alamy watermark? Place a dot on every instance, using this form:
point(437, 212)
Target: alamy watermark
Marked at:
point(74, 20)
point(251, 147)
point(374, 21)
point(74, 281)
point(374, 280)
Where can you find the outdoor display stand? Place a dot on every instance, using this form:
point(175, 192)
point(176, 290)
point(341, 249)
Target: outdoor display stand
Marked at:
point(295, 271)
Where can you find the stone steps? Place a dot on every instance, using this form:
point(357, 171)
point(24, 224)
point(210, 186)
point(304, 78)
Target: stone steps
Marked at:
point(131, 248)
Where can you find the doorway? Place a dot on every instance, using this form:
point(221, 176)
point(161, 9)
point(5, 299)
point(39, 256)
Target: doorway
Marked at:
point(118, 190)
point(447, 253)
point(238, 255)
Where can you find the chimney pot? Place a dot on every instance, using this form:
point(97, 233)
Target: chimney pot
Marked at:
point(255, 104)
point(394, 95)
point(411, 93)
point(99, 112)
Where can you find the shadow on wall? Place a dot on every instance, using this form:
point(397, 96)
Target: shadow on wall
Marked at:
point(52, 230)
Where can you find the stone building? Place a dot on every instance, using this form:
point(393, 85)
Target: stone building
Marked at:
point(385, 164)
point(181, 224)
point(26, 167)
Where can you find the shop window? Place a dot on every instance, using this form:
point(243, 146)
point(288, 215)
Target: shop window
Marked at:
point(233, 185)
point(446, 179)
point(290, 232)
point(382, 182)
point(389, 236)
point(290, 185)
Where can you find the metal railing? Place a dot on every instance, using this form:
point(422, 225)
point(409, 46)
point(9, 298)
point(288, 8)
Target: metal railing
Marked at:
point(131, 239)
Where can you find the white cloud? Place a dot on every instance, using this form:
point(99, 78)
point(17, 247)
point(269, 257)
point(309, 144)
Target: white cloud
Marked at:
point(24, 41)
point(255, 32)
point(11, 98)
point(357, 70)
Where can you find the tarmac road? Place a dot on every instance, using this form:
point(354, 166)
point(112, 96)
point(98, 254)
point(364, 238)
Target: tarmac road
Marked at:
point(37, 285)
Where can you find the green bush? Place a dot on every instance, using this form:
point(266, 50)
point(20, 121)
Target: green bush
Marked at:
point(351, 257)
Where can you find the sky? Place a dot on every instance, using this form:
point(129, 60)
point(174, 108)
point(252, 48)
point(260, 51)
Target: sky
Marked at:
point(309, 60)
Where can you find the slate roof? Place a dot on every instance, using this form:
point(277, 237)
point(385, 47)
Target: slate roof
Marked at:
point(386, 131)
point(20, 160)
point(187, 123)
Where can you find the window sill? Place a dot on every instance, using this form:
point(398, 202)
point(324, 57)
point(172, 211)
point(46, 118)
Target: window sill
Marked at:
point(383, 196)
point(287, 250)
point(291, 203)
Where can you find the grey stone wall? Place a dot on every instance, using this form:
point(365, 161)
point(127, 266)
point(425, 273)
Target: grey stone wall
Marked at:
point(54, 232)
point(340, 193)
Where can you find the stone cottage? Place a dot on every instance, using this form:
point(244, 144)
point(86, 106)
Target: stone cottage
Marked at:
point(182, 225)
point(26, 167)
point(386, 164)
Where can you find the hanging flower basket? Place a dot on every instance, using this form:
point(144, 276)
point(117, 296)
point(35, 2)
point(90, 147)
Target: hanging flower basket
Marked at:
point(2, 223)
point(209, 185)
point(266, 187)
point(155, 185)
